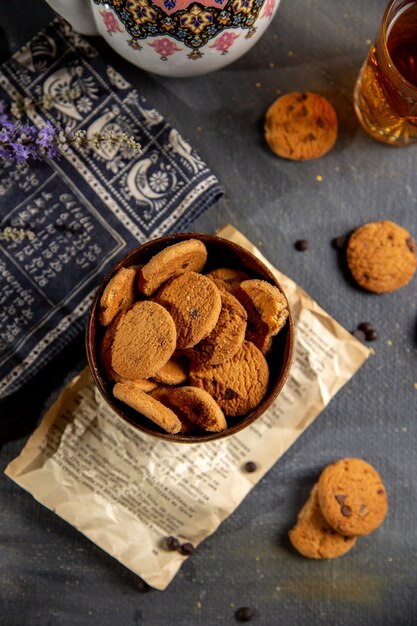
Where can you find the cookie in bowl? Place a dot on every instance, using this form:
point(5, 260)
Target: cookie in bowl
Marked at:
point(178, 359)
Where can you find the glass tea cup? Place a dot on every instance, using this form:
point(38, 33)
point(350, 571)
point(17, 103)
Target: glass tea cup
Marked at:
point(385, 95)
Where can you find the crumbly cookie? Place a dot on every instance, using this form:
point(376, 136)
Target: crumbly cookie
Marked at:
point(301, 126)
point(227, 278)
point(144, 340)
point(352, 497)
point(381, 256)
point(144, 384)
point(148, 406)
point(106, 343)
point(238, 385)
point(267, 310)
point(118, 295)
point(199, 407)
point(162, 394)
point(226, 337)
point(194, 302)
point(174, 372)
point(313, 537)
point(105, 358)
point(188, 255)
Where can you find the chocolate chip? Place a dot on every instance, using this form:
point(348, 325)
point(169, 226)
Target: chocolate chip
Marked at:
point(371, 335)
point(290, 108)
point(341, 499)
point(365, 326)
point(244, 614)
point(250, 466)
point(229, 394)
point(410, 244)
point(304, 110)
point(195, 313)
point(365, 276)
point(302, 245)
point(380, 492)
point(319, 122)
point(339, 242)
point(172, 543)
point(359, 334)
point(187, 549)
point(301, 97)
point(346, 510)
point(310, 137)
point(143, 587)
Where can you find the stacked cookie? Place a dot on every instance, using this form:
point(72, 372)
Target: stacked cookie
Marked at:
point(187, 349)
point(348, 501)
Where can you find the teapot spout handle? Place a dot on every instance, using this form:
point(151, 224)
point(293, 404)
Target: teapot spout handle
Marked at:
point(78, 13)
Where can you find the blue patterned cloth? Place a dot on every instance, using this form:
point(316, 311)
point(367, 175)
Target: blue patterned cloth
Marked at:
point(78, 215)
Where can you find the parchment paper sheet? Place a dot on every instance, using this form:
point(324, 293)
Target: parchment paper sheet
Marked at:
point(128, 491)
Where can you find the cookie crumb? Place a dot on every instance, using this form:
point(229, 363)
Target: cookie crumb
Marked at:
point(319, 178)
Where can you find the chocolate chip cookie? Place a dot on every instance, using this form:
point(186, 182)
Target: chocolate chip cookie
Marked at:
point(381, 256)
point(144, 341)
point(194, 302)
point(352, 497)
point(313, 537)
point(226, 337)
point(301, 126)
point(118, 295)
point(185, 256)
point(239, 384)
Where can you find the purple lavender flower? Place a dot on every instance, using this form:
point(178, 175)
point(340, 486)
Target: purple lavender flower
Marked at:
point(21, 152)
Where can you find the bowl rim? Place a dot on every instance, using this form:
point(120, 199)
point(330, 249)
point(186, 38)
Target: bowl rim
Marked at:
point(93, 361)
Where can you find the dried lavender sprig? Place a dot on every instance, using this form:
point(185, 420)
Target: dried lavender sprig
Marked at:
point(22, 141)
point(22, 106)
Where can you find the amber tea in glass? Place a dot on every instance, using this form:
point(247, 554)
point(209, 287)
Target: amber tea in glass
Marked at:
point(385, 95)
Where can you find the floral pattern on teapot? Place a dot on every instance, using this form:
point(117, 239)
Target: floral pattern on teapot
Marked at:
point(192, 24)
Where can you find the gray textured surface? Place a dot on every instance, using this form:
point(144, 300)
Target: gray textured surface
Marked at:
point(49, 573)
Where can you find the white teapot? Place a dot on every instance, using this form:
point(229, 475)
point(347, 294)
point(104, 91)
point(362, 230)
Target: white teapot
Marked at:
point(172, 37)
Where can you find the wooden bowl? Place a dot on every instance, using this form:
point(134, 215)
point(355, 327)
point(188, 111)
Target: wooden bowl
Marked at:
point(221, 253)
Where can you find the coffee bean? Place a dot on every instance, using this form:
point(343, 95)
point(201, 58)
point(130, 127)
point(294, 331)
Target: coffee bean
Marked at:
point(172, 543)
point(143, 586)
point(250, 466)
point(244, 614)
point(339, 242)
point(302, 245)
point(365, 326)
point(371, 335)
point(187, 549)
point(359, 334)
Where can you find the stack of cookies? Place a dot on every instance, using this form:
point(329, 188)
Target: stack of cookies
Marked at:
point(187, 349)
point(348, 501)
